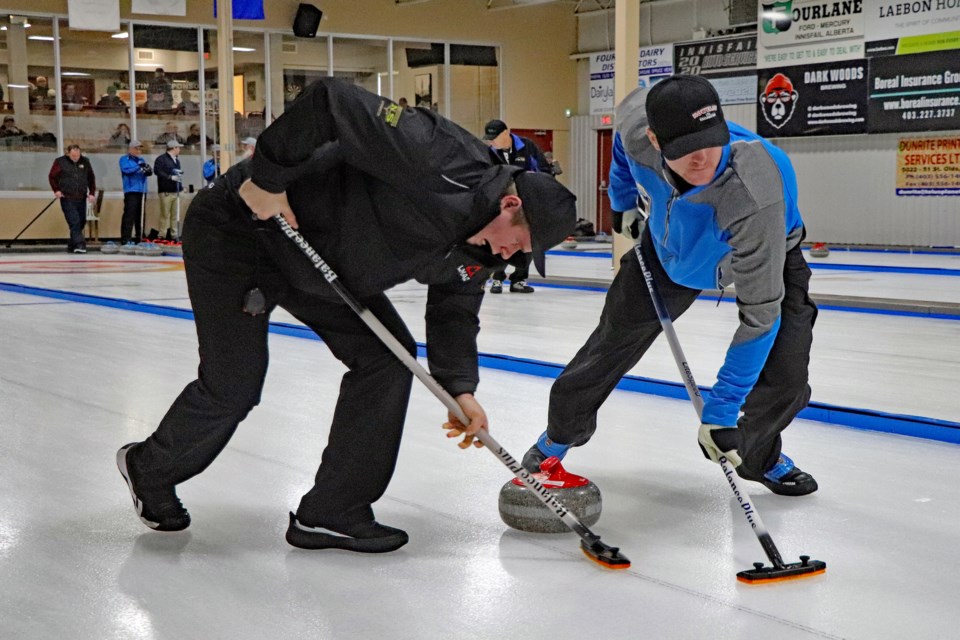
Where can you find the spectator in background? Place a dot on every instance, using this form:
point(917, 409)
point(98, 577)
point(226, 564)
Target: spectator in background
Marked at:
point(403, 102)
point(187, 106)
point(171, 131)
point(135, 171)
point(169, 179)
point(249, 146)
point(509, 148)
point(1, 93)
point(110, 102)
point(211, 168)
point(40, 94)
point(72, 180)
point(159, 92)
point(193, 136)
point(120, 137)
point(70, 95)
point(10, 128)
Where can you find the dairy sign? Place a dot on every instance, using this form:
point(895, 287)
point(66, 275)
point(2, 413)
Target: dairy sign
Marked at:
point(601, 82)
point(805, 31)
point(654, 63)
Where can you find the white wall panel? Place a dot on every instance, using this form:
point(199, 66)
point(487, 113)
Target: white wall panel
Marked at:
point(583, 165)
point(847, 194)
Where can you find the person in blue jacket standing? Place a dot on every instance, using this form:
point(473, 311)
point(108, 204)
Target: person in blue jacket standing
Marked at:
point(720, 206)
point(211, 168)
point(135, 171)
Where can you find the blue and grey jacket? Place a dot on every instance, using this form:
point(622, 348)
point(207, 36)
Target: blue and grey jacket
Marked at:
point(134, 170)
point(735, 230)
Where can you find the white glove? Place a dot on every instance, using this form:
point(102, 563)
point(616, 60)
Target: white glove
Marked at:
point(713, 438)
point(629, 223)
point(176, 178)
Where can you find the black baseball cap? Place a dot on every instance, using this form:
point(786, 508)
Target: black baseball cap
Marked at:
point(550, 209)
point(493, 129)
point(684, 113)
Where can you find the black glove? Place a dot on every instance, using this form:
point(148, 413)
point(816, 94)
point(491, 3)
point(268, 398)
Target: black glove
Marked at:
point(629, 223)
point(146, 170)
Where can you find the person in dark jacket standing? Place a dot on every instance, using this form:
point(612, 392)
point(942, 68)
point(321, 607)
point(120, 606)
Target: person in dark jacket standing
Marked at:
point(134, 171)
point(509, 148)
point(169, 185)
point(72, 180)
point(384, 195)
point(721, 208)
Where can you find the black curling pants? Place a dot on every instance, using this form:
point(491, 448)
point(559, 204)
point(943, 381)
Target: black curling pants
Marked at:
point(629, 325)
point(521, 268)
point(132, 215)
point(226, 256)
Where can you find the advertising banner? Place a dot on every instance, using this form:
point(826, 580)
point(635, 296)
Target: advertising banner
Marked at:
point(813, 100)
point(601, 82)
point(730, 63)
point(656, 63)
point(928, 167)
point(716, 55)
point(915, 93)
point(653, 64)
point(794, 32)
point(917, 26)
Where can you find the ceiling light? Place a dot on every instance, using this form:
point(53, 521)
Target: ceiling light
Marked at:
point(44, 38)
point(74, 73)
point(122, 34)
point(244, 49)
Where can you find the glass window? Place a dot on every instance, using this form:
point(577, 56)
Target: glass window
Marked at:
point(474, 86)
point(295, 63)
point(169, 106)
point(249, 83)
point(94, 88)
point(362, 62)
point(28, 140)
point(418, 76)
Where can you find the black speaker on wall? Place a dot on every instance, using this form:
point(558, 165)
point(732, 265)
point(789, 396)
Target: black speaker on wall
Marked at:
point(307, 21)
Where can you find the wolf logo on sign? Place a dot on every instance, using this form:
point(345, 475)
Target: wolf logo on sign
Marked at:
point(778, 101)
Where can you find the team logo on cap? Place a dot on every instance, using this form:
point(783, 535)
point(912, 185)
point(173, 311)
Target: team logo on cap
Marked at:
point(468, 271)
point(778, 101)
point(705, 113)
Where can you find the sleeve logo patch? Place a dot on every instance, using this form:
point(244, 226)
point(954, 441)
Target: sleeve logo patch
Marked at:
point(468, 271)
point(390, 112)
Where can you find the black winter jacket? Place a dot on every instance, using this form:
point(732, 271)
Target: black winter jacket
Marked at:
point(166, 167)
point(385, 195)
point(74, 179)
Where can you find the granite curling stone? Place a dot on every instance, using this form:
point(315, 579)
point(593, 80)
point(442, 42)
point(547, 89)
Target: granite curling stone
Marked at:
point(110, 248)
point(520, 509)
point(819, 250)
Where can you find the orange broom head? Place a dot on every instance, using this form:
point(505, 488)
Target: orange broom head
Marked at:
point(605, 555)
point(760, 574)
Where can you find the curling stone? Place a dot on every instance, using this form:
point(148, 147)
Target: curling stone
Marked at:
point(148, 249)
point(569, 243)
point(109, 248)
point(128, 249)
point(819, 250)
point(173, 250)
point(521, 509)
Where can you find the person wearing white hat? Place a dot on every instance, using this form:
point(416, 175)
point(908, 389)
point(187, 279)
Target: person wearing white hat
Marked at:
point(249, 146)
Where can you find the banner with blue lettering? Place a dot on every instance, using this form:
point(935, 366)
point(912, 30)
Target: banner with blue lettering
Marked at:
point(244, 9)
point(653, 64)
